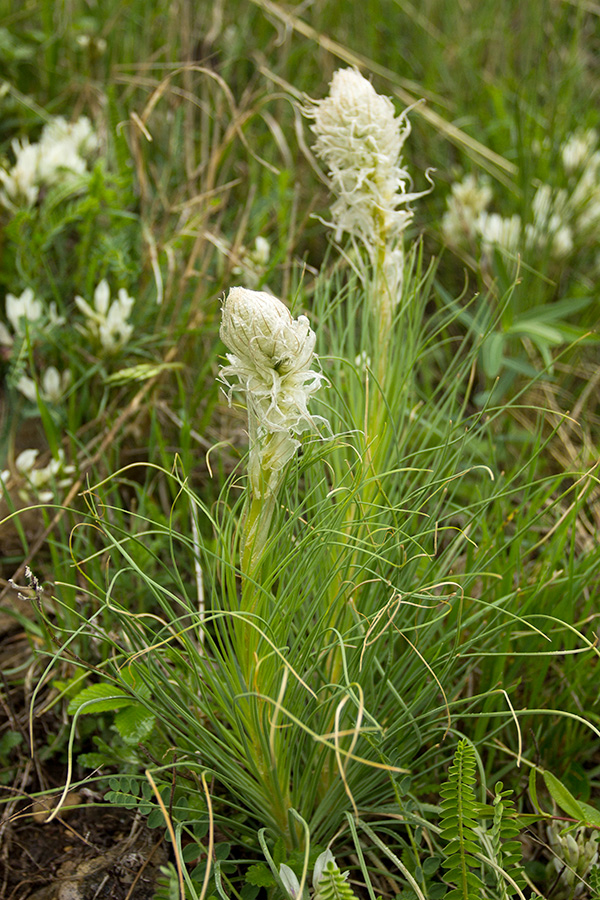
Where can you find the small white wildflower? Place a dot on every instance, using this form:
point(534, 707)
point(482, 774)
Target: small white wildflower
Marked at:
point(360, 139)
point(53, 386)
point(468, 199)
point(578, 148)
point(498, 231)
point(63, 148)
point(271, 355)
point(79, 135)
point(108, 322)
point(25, 307)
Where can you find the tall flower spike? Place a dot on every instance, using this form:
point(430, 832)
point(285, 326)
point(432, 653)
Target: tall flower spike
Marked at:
point(360, 139)
point(271, 356)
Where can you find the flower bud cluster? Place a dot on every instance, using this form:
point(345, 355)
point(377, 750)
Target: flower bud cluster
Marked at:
point(271, 355)
point(574, 856)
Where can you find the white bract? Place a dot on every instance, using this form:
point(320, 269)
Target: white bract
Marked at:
point(271, 356)
point(108, 322)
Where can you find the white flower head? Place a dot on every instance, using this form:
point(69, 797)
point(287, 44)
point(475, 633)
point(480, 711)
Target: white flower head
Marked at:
point(24, 308)
point(271, 355)
point(360, 139)
point(64, 148)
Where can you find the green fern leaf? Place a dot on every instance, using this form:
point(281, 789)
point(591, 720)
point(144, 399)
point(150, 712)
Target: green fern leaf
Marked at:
point(458, 824)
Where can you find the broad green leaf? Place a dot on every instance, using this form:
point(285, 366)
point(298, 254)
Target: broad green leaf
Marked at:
point(492, 354)
point(134, 723)
point(99, 698)
point(533, 328)
point(592, 815)
point(563, 797)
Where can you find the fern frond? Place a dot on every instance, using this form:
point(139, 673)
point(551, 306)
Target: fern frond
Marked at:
point(458, 824)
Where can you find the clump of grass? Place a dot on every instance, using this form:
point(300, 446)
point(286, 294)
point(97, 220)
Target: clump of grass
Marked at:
point(290, 640)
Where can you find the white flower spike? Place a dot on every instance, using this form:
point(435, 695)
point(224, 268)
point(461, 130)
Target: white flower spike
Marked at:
point(271, 355)
point(360, 140)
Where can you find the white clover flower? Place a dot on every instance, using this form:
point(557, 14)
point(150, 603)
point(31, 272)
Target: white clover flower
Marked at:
point(108, 322)
point(360, 139)
point(468, 199)
point(271, 354)
point(25, 307)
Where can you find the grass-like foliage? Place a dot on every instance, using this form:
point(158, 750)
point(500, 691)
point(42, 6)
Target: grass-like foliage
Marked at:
point(300, 437)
